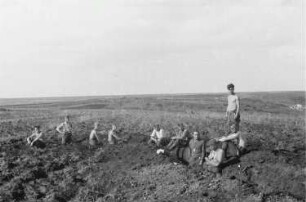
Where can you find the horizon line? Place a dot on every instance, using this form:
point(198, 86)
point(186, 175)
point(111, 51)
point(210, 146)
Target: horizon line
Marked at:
point(149, 94)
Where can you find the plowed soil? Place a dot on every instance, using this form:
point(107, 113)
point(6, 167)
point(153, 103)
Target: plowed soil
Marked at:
point(273, 170)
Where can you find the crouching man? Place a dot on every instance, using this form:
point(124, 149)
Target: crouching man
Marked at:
point(112, 135)
point(181, 139)
point(216, 156)
point(237, 138)
point(220, 157)
point(65, 129)
point(35, 140)
point(158, 136)
point(93, 137)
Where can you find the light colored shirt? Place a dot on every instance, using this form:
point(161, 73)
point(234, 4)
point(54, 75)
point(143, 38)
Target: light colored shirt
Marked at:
point(111, 135)
point(212, 155)
point(65, 127)
point(158, 134)
point(216, 156)
point(93, 135)
point(35, 136)
point(232, 103)
point(238, 138)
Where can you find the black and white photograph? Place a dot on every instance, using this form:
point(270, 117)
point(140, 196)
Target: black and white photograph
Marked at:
point(152, 101)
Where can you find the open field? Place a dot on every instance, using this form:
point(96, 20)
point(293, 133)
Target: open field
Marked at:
point(274, 170)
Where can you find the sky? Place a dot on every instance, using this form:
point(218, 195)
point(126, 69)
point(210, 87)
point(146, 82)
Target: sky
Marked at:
point(114, 47)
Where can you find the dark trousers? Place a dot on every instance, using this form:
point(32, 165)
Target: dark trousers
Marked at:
point(232, 120)
point(67, 138)
point(39, 144)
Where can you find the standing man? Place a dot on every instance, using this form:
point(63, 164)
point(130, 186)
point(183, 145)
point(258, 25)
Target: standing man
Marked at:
point(233, 108)
point(65, 129)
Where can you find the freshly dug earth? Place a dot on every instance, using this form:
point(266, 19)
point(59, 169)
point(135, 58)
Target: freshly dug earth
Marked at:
point(132, 171)
point(273, 170)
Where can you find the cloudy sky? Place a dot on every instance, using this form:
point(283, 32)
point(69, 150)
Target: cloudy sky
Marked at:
point(109, 47)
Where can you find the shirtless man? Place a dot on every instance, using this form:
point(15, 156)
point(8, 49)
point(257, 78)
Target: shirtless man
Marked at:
point(93, 137)
point(236, 137)
point(182, 137)
point(216, 156)
point(157, 135)
point(35, 140)
point(233, 107)
point(112, 135)
point(65, 129)
point(197, 147)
